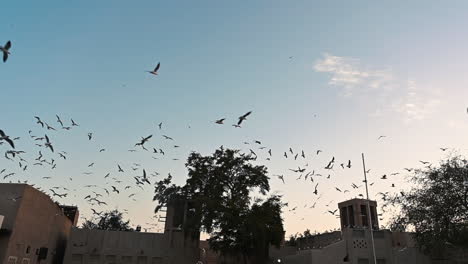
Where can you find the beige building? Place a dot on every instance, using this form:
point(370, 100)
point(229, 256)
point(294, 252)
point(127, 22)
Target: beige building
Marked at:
point(353, 244)
point(174, 246)
point(34, 229)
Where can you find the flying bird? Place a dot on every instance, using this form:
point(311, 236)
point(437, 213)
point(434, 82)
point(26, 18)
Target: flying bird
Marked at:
point(281, 177)
point(73, 123)
point(143, 140)
point(3, 136)
point(48, 144)
point(333, 212)
point(5, 49)
point(315, 191)
point(166, 137)
point(155, 71)
point(381, 137)
point(115, 189)
point(90, 136)
point(243, 118)
point(220, 121)
point(59, 120)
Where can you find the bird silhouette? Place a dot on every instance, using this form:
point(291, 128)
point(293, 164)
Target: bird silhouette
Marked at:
point(143, 140)
point(333, 212)
point(3, 136)
point(59, 120)
point(6, 50)
point(48, 144)
point(220, 121)
point(155, 71)
point(243, 118)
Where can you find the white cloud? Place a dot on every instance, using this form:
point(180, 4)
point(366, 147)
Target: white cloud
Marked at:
point(417, 103)
point(350, 74)
point(382, 86)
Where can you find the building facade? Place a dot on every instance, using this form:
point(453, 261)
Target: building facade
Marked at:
point(174, 246)
point(353, 245)
point(35, 229)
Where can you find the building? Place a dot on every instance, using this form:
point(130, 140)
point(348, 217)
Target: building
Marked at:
point(174, 246)
point(353, 244)
point(34, 229)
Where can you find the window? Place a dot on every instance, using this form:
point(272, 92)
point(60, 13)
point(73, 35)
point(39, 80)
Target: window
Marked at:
point(351, 215)
point(94, 259)
point(364, 219)
point(111, 259)
point(157, 260)
point(142, 260)
point(127, 259)
point(12, 260)
point(363, 261)
point(28, 250)
point(344, 216)
point(77, 259)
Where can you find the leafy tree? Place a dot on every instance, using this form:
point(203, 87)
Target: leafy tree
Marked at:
point(112, 220)
point(218, 188)
point(436, 208)
point(292, 241)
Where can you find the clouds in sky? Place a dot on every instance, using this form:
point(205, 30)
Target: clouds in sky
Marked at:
point(351, 75)
point(403, 97)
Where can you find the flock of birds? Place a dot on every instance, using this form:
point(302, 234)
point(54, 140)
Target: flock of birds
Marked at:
point(98, 196)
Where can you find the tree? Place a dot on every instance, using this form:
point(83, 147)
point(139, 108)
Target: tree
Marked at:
point(219, 189)
point(112, 220)
point(436, 208)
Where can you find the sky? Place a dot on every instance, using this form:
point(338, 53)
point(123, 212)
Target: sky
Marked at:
point(328, 75)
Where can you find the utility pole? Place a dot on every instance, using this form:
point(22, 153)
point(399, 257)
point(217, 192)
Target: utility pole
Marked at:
point(369, 211)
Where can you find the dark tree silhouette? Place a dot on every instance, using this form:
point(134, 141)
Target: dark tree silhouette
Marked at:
point(112, 220)
point(436, 208)
point(219, 189)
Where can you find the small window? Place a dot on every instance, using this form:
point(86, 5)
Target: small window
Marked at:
point(12, 260)
point(157, 260)
point(127, 259)
point(142, 260)
point(28, 250)
point(363, 261)
point(77, 259)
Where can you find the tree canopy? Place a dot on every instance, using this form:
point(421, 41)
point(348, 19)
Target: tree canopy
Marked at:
point(436, 208)
point(112, 220)
point(219, 188)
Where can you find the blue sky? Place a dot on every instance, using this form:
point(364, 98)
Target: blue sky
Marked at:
point(359, 70)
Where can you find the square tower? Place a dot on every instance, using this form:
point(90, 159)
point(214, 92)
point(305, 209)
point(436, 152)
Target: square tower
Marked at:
point(353, 214)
